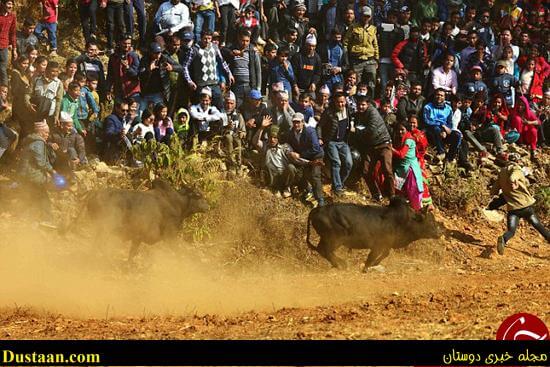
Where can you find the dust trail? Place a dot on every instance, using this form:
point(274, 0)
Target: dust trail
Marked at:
point(85, 278)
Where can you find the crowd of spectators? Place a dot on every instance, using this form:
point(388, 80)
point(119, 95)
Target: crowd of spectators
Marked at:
point(288, 86)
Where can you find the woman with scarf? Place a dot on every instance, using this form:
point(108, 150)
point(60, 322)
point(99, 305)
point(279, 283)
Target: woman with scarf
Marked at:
point(498, 113)
point(407, 171)
point(421, 147)
point(526, 123)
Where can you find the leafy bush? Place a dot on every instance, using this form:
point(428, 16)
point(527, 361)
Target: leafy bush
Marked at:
point(183, 168)
point(454, 192)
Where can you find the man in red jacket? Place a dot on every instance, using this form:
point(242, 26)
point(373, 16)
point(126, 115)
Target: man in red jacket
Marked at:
point(8, 38)
point(409, 57)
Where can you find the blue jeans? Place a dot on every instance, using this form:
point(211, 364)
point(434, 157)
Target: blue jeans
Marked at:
point(139, 5)
point(205, 16)
point(147, 99)
point(51, 28)
point(453, 140)
point(340, 163)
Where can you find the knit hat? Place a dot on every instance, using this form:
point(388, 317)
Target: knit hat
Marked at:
point(324, 90)
point(274, 132)
point(298, 117)
point(206, 91)
point(41, 125)
point(231, 96)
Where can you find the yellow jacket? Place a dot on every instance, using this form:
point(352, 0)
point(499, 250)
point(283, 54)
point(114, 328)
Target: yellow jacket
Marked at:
point(361, 42)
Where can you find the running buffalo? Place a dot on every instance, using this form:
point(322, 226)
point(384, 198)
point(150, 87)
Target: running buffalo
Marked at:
point(142, 216)
point(376, 228)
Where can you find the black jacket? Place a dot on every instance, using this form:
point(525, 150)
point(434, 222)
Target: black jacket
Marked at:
point(327, 128)
point(148, 79)
point(370, 129)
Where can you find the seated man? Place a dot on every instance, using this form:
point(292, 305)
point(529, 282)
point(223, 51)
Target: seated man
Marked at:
point(115, 138)
point(205, 118)
point(438, 121)
point(307, 155)
point(233, 131)
point(68, 145)
point(280, 172)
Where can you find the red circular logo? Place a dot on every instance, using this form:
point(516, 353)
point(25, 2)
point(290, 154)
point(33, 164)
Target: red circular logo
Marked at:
point(522, 326)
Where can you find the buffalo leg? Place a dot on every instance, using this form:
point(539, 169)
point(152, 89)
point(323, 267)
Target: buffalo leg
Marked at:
point(326, 250)
point(375, 256)
point(134, 248)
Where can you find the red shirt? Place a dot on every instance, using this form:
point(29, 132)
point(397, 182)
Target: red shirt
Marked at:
point(7, 30)
point(49, 12)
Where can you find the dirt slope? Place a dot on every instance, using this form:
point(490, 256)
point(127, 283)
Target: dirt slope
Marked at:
point(254, 278)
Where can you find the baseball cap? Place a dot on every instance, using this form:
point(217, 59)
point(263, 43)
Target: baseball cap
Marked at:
point(188, 36)
point(476, 67)
point(65, 116)
point(255, 94)
point(366, 11)
point(155, 48)
point(502, 63)
point(298, 117)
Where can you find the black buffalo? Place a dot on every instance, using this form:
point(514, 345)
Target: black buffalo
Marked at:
point(142, 216)
point(368, 227)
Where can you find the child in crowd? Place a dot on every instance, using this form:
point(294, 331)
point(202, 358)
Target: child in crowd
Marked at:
point(164, 127)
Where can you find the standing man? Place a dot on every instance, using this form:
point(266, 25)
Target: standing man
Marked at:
point(123, 72)
point(154, 75)
point(90, 65)
point(333, 132)
point(307, 155)
point(307, 66)
point(374, 142)
point(8, 38)
point(362, 45)
point(200, 68)
point(245, 64)
point(515, 193)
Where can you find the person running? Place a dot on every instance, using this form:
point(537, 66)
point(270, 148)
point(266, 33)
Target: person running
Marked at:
point(515, 193)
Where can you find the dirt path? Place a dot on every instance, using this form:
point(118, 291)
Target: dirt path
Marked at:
point(429, 291)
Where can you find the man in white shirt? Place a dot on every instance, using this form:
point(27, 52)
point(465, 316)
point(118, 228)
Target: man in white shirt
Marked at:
point(505, 40)
point(444, 77)
point(204, 117)
point(171, 17)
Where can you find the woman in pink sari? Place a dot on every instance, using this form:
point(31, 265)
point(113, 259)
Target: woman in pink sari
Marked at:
point(526, 123)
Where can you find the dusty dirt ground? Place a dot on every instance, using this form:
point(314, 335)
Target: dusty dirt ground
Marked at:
point(255, 279)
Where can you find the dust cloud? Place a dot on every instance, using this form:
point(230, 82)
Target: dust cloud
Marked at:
point(82, 277)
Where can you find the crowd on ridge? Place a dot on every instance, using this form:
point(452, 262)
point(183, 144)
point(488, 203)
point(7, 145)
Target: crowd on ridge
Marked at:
point(288, 86)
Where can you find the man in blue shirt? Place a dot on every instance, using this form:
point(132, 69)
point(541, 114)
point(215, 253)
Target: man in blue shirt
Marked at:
point(438, 121)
